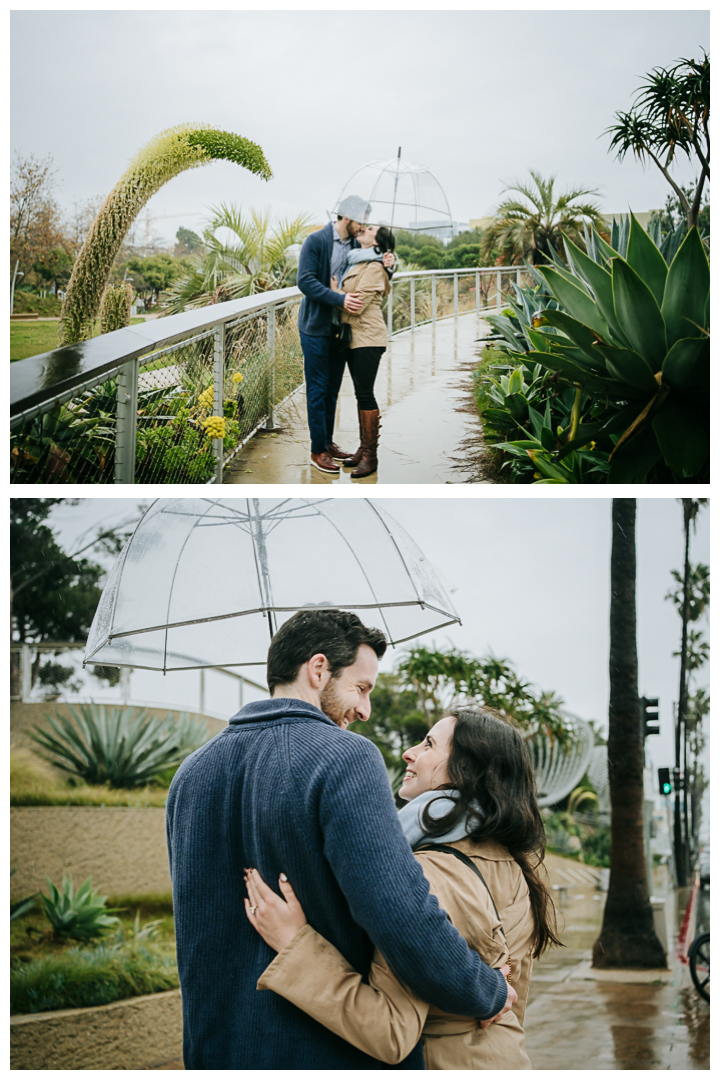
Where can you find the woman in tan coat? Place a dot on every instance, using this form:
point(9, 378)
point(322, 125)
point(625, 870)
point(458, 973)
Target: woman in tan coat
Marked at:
point(366, 277)
point(473, 800)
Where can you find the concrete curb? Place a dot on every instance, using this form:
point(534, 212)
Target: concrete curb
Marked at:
point(136, 1033)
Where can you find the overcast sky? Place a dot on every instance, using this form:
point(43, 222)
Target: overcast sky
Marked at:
point(532, 577)
point(479, 97)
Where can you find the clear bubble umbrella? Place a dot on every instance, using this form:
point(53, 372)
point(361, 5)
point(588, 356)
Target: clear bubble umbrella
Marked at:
point(206, 582)
point(402, 194)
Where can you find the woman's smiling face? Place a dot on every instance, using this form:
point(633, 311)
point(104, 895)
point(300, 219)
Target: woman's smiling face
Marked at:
point(427, 762)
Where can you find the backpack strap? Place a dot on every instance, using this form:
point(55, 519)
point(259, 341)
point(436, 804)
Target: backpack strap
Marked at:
point(468, 862)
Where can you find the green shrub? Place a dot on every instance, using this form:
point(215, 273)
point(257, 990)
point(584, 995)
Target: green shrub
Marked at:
point(79, 978)
point(118, 747)
point(80, 915)
point(596, 847)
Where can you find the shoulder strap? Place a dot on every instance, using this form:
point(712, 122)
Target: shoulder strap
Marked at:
point(468, 862)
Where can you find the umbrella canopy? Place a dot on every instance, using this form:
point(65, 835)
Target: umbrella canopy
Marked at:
point(403, 194)
point(206, 582)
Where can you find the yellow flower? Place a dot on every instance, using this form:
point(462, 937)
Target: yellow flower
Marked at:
point(214, 426)
point(237, 377)
point(205, 400)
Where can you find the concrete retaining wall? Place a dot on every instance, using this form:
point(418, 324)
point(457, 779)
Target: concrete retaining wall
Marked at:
point(121, 847)
point(137, 1033)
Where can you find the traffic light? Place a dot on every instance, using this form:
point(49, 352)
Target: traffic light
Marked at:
point(664, 782)
point(650, 716)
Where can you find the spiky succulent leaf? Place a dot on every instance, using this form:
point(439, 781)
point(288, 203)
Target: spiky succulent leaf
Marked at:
point(632, 462)
point(577, 301)
point(628, 366)
point(686, 290)
point(687, 364)
point(638, 313)
point(600, 281)
point(684, 442)
point(646, 260)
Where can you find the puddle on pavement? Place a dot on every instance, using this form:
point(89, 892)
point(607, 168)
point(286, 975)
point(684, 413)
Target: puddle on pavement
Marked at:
point(418, 389)
point(575, 1023)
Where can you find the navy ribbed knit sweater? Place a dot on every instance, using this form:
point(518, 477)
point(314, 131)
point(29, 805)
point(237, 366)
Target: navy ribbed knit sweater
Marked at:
point(282, 788)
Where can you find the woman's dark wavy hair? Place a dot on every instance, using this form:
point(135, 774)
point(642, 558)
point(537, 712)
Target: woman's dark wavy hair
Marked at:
point(384, 240)
point(489, 765)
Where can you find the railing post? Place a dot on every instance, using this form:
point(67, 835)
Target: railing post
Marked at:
point(25, 672)
point(498, 291)
point(412, 303)
point(434, 299)
point(218, 393)
point(126, 423)
point(390, 311)
point(271, 365)
point(477, 291)
point(518, 278)
point(455, 294)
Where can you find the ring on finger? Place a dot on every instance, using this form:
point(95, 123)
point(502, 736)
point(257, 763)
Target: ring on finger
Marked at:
point(252, 908)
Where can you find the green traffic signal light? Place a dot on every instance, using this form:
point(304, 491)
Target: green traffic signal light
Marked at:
point(664, 782)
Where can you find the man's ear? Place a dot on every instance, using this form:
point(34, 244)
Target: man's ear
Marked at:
point(318, 671)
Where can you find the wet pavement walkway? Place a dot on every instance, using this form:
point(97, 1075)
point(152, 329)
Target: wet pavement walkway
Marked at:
point(578, 1018)
point(422, 381)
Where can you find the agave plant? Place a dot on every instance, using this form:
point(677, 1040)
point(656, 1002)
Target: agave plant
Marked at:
point(633, 334)
point(117, 746)
point(80, 915)
point(186, 146)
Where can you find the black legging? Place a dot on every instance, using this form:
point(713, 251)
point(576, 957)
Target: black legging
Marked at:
point(364, 364)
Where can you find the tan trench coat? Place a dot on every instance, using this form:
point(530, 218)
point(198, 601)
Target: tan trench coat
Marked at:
point(383, 1017)
point(368, 326)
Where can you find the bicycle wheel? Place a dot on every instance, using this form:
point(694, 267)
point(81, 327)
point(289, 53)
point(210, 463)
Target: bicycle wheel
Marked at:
point(699, 961)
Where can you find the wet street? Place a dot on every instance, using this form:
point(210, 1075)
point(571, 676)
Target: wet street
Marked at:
point(581, 1019)
point(419, 386)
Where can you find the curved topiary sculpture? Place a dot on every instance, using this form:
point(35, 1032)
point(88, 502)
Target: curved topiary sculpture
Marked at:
point(169, 153)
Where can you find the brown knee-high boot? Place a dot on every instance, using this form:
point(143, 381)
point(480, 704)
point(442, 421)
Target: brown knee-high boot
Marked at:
point(369, 436)
point(352, 460)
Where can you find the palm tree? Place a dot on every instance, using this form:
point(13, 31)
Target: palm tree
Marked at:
point(691, 508)
point(526, 230)
point(627, 938)
point(254, 260)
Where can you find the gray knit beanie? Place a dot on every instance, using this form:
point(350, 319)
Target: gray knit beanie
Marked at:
point(354, 208)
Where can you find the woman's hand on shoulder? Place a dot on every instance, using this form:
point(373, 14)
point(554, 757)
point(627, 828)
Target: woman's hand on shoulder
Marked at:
point(276, 920)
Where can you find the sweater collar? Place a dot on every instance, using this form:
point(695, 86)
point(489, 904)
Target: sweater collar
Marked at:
point(278, 709)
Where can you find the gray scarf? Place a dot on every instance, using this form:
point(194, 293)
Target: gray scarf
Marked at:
point(359, 255)
point(410, 818)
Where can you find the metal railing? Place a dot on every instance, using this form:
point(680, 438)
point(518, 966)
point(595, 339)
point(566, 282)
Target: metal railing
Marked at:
point(135, 405)
point(53, 671)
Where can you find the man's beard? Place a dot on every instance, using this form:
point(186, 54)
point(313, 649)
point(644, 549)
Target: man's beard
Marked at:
point(331, 704)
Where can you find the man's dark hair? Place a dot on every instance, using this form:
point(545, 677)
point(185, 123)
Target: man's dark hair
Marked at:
point(384, 240)
point(336, 634)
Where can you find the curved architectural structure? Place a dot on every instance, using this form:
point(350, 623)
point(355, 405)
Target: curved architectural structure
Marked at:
point(559, 769)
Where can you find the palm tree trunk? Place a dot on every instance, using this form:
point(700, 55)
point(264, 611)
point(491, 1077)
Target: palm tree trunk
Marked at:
point(680, 840)
point(627, 938)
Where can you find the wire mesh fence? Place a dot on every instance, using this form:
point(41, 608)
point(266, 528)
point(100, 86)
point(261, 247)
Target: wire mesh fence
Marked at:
point(178, 412)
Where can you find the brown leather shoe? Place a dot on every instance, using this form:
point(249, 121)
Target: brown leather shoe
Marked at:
point(337, 454)
point(370, 435)
point(324, 463)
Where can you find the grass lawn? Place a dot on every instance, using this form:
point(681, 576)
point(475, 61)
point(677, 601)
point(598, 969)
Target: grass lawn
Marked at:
point(31, 338)
point(34, 783)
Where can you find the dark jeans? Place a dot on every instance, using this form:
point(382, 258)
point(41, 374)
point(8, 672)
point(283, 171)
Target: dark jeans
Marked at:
point(324, 368)
point(364, 364)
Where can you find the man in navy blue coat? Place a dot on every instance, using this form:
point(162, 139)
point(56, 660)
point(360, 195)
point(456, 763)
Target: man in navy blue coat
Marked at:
point(286, 788)
point(322, 256)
